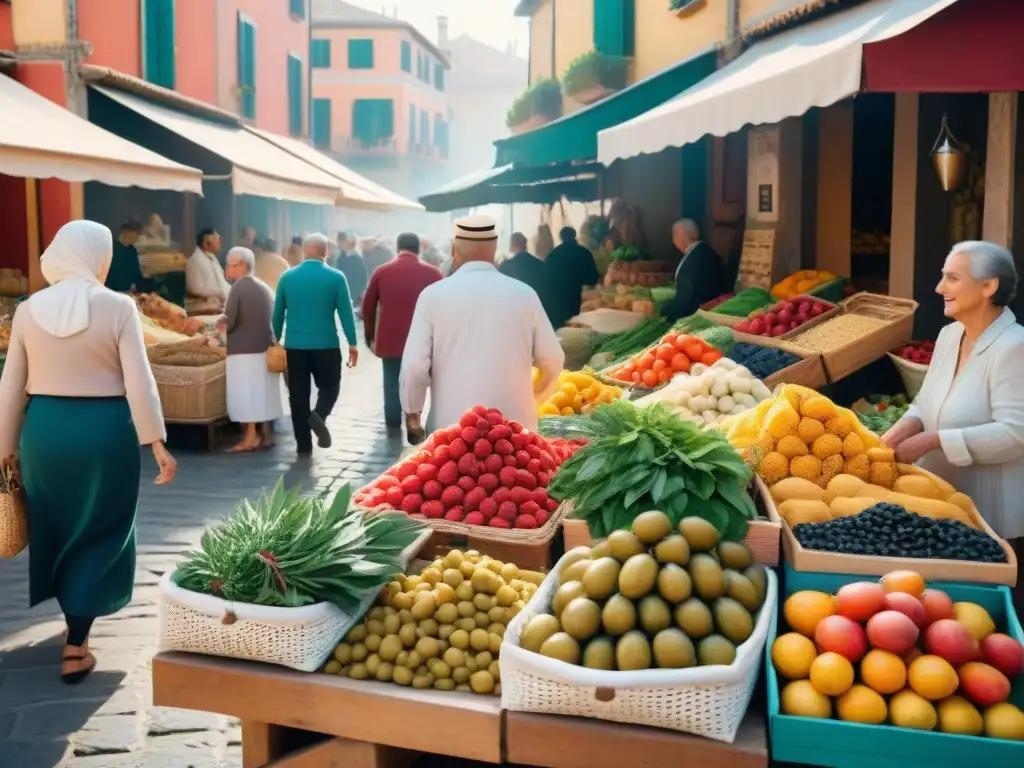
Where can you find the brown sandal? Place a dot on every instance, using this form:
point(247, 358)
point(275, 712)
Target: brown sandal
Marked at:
point(74, 678)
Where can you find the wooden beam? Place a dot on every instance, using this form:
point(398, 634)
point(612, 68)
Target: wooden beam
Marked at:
point(904, 197)
point(36, 281)
point(345, 753)
point(835, 189)
point(261, 743)
point(1000, 159)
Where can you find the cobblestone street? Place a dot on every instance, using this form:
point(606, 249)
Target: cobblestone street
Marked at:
point(109, 721)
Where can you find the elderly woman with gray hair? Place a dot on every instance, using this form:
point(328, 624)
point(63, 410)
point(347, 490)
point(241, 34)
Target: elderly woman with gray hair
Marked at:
point(254, 393)
point(967, 423)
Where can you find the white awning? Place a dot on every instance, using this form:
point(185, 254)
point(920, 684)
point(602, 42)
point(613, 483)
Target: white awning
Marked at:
point(356, 191)
point(258, 167)
point(813, 65)
point(40, 139)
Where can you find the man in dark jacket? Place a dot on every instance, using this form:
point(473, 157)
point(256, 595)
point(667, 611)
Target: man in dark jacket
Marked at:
point(523, 265)
point(350, 263)
point(700, 276)
point(569, 268)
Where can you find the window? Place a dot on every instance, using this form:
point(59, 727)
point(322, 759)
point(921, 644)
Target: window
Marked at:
point(406, 56)
point(247, 65)
point(441, 135)
point(615, 27)
point(297, 8)
point(294, 94)
point(360, 54)
point(373, 121)
point(320, 54)
point(425, 71)
point(321, 123)
point(412, 127)
point(425, 130)
point(439, 76)
point(158, 42)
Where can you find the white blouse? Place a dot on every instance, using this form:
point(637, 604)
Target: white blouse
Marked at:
point(980, 420)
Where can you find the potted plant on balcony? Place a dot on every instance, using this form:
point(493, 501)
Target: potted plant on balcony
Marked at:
point(593, 76)
point(539, 104)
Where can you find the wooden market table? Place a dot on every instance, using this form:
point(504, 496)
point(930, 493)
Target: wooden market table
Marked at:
point(382, 725)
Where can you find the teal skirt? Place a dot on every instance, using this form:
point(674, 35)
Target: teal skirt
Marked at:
point(81, 463)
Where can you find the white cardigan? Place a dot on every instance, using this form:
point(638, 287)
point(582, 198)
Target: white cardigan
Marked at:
point(980, 420)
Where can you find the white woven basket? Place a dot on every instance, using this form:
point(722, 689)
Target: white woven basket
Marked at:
point(706, 701)
point(912, 374)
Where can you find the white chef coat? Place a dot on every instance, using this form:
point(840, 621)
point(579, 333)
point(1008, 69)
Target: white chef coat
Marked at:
point(204, 276)
point(979, 416)
point(474, 338)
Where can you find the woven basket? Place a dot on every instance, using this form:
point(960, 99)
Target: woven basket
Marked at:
point(707, 701)
point(183, 355)
point(192, 393)
point(161, 262)
point(912, 374)
point(13, 524)
point(277, 359)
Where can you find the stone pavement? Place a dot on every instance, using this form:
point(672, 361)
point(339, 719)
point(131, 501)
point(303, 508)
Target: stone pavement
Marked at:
point(108, 721)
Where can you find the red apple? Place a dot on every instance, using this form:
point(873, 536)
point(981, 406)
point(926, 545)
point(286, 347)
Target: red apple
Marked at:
point(1004, 653)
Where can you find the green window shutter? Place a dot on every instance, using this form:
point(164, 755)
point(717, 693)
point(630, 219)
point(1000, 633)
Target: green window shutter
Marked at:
point(406, 56)
point(321, 129)
point(320, 54)
point(360, 54)
point(247, 65)
point(158, 31)
point(615, 27)
point(412, 126)
point(439, 76)
point(297, 8)
point(441, 135)
point(373, 121)
point(294, 94)
point(424, 129)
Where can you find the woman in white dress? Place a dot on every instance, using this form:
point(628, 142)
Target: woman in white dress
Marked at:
point(967, 423)
point(254, 393)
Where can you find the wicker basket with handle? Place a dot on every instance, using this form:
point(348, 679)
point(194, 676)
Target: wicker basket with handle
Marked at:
point(277, 359)
point(13, 524)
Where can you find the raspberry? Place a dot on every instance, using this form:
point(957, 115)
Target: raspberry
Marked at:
point(442, 454)
point(411, 484)
point(479, 410)
point(466, 484)
point(519, 440)
point(482, 448)
point(467, 466)
point(469, 435)
point(458, 448)
point(386, 481)
point(475, 518)
point(433, 510)
point(432, 490)
point(552, 505)
point(393, 496)
point(510, 461)
point(375, 498)
point(534, 451)
point(533, 466)
point(526, 521)
point(541, 517)
point(499, 432)
point(501, 495)
point(503, 447)
point(452, 496)
point(483, 426)
point(473, 497)
point(522, 459)
point(526, 480)
point(507, 476)
point(507, 510)
point(448, 474)
point(488, 481)
point(468, 419)
point(543, 478)
point(529, 507)
point(540, 495)
point(494, 417)
point(519, 495)
point(499, 522)
point(405, 469)
point(426, 472)
point(455, 514)
point(488, 508)
point(493, 463)
point(411, 504)
point(516, 427)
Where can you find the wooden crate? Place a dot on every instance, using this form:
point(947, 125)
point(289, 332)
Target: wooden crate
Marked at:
point(808, 372)
point(717, 317)
point(751, 339)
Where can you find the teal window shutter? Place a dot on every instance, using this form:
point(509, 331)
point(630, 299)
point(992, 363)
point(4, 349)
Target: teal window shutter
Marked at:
point(441, 135)
point(406, 56)
point(615, 27)
point(424, 129)
point(247, 65)
point(322, 123)
point(412, 126)
point(294, 94)
point(320, 54)
point(360, 54)
point(439, 76)
point(158, 42)
point(373, 121)
point(297, 8)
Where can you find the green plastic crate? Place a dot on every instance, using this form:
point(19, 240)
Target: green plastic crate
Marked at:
point(831, 291)
point(838, 744)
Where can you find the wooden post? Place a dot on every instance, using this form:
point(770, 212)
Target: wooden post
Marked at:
point(261, 744)
point(904, 197)
point(36, 281)
point(997, 222)
point(835, 189)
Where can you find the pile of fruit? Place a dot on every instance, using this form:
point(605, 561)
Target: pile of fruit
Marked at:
point(675, 353)
point(880, 412)
point(708, 394)
point(801, 282)
point(788, 315)
point(651, 598)
point(578, 392)
point(485, 470)
point(941, 664)
point(565, 448)
point(919, 352)
point(762, 361)
point(441, 629)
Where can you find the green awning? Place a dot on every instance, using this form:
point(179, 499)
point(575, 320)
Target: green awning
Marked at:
point(525, 184)
point(574, 137)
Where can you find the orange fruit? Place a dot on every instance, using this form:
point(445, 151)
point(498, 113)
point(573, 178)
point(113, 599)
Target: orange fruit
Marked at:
point(831, 674)
point(860, 704)
point(793, 654)
point(803, 610)
point(883, 671)
point(932, 677)
point(908, 710)
point(801, 700)
point(910, 582)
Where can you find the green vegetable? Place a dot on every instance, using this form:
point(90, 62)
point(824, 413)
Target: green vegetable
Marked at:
point(745, 302)
point(287, 551)
point(718, 336)
point(648, 458)
point(641, 336)
point(880, 412)
point(627, 253)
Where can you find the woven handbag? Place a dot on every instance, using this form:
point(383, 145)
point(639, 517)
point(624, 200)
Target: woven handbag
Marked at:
point(13, 524)
point(277, 359)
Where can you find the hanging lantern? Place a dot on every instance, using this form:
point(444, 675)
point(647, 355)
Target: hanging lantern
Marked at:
point(950, 158)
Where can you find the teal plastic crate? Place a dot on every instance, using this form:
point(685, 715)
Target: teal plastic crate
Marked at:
point(831, 291)
point(837, 744)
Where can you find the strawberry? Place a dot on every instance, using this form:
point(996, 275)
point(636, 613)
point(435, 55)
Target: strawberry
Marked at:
point(468, 419)
point(375, 498)
point(504, 447)
point(458, 448)
point(467, 466)
point(522, 459)
point(529, 507)
point(475, 518)
point(434, 510)
point(541, 516)
point(507, 476)
point(441, 455)
point(393, 496)
point(411, 484)
point(411, 504)
point(499, 522)
point(534, 451)
point(533, 467)
point(432, 490)
point(526, 480)
point(479, 410)
point(473, 497)
point(488, 481)
point(501, 495)
point(546, 462)
point(455, 514)
point(452, 496)
point(483, 426)
point(519, 495)
point(405, 469)
point(526, 521)
point(552, 505)
point(543, 478)
point(510, 461)
point(466, 483)
point(494, 463)
point(488, 508)
point(448, 474)
point(507, 510)
point(470, 435)
point(540, 495)
point(519, 440)
point(499, 432)
point(387, 481)
point(426, 472)
point(482, 448)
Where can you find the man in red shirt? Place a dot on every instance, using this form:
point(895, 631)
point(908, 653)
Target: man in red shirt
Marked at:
point(388, 306)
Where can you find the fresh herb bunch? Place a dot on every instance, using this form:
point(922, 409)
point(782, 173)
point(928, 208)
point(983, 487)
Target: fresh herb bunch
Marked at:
point(648, 458)
point(287, 551)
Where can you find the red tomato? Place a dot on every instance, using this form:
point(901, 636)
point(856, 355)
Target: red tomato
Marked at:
point(650, 378)
point(664, 376)
point(711, 357)
point(669, 338)
point(666, 352)
point(681, 363)
point(635, 377)
point(659, 365)
point(628, 367)
point(681, 342)
point(645, 362)
point(695, 350)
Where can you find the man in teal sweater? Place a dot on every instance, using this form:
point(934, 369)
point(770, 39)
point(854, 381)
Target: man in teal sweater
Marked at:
point(309, 297)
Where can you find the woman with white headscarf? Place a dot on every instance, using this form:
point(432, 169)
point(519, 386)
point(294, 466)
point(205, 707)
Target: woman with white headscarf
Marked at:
point(77, 397)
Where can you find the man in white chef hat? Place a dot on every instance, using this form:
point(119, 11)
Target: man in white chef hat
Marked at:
point(475, 337)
